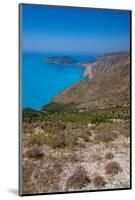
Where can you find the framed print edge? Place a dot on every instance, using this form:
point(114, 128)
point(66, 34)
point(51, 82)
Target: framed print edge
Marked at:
point(20, 103)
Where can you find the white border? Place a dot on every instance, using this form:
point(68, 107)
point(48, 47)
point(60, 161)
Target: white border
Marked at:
point(9, 97)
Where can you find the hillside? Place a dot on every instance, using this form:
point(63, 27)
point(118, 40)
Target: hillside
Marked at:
point(106, 63)
point(108, 87)
point(61, 143)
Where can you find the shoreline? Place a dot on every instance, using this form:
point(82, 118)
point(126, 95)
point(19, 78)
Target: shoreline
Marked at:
point(91, 69)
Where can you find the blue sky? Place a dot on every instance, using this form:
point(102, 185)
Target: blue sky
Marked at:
point(77, 31)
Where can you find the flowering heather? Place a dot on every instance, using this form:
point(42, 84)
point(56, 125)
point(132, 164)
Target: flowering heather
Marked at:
point(112, 168)
point(79, 179)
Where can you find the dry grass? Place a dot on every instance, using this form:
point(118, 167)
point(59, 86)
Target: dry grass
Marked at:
point(62, 139)
point(27, 171)
point(36, 139)
point(46, 178)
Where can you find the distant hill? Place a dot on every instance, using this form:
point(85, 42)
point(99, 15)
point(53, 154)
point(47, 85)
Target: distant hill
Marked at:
point(106, 63)
point(60, 60)
point(109, 86)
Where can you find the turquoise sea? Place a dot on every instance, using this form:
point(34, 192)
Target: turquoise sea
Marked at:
point(41, 82)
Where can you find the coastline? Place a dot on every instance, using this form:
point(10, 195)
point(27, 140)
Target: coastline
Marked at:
point(69, 60)
point(91, 69)
point(47, 81)
point(90, 117)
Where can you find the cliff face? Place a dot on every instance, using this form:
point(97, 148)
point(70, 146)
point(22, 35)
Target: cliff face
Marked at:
point(109, 85)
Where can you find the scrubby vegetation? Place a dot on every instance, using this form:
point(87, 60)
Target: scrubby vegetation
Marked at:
point(112, 168)
point(58, 108)
point(55, 142)
point(35, 152)
point(105, 137)
point(109, 156)
point(88, 126)
point(79, 179)
point(98, 181)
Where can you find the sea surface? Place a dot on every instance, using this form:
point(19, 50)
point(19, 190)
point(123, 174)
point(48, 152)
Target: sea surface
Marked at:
point(41, 82)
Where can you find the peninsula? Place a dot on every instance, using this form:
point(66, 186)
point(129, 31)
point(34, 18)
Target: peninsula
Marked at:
point(60, 60)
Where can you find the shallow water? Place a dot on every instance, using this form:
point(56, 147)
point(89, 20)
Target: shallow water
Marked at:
point(41, 82)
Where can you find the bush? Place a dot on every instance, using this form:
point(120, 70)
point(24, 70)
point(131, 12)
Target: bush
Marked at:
point(85, 137)
point(81, 145)
point(98, 119)
point(29, 115)
point(38, 139)
point(56, 168)
point(99, 181)
point(62, 140)
point(112, 168)
point(87, 132)
point(79, 179)
point(109, 156)
point(56, 140)
point(71, 139)
point(34, 152)
point(105, 137)
point(61, 125)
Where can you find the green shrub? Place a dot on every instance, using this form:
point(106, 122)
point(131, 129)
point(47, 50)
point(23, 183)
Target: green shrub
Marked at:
point(37, 139)
point(62, 140)
point(98, 119)
point(71, 139)
point(29, 115)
